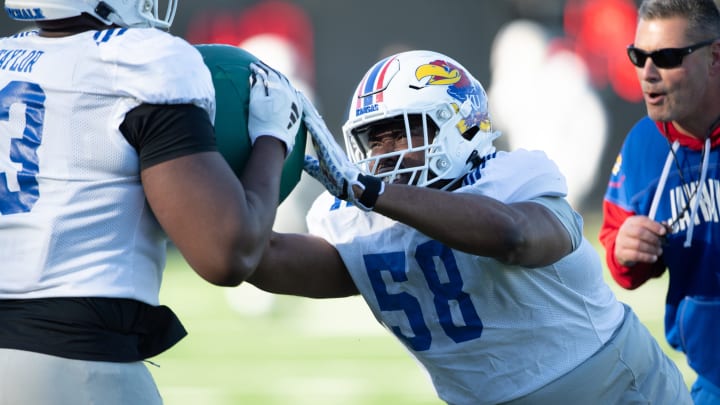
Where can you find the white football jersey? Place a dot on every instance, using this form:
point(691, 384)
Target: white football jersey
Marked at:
point(73, 216)
point(486, 332)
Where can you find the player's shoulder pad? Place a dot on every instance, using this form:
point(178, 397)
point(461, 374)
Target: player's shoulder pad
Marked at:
point(520, 175)
point(157, 67)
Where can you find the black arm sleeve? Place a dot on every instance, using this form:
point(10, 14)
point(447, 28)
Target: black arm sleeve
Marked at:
point(160, 132)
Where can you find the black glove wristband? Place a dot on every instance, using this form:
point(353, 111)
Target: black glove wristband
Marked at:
point(373, 188)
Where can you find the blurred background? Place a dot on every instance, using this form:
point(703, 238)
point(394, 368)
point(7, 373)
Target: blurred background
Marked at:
point(556, 70)
point(558, 80)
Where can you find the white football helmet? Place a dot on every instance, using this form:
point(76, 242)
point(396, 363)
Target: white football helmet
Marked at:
point(125, 13)
point(454, 110)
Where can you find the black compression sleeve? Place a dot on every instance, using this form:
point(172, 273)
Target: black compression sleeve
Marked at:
point(160, 132)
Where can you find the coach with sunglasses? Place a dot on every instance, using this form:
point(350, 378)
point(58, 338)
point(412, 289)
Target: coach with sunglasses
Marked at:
point(662, 205)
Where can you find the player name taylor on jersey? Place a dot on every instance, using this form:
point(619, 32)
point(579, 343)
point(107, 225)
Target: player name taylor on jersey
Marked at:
point(19, 60)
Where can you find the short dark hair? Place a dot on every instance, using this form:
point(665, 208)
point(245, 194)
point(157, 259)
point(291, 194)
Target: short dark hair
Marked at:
point(703, 15)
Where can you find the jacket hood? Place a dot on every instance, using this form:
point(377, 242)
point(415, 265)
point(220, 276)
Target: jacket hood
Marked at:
point(672, 134)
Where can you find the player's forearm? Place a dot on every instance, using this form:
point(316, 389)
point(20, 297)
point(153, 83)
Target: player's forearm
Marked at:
point(302, 265)
point(261, 184)
point(522, 234)
point(261, 181)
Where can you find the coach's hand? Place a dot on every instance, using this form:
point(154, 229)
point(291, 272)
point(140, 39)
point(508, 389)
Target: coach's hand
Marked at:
point(639, 240)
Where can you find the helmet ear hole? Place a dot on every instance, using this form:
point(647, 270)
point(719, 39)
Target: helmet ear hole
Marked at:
point(470, 133)
point(432, 128)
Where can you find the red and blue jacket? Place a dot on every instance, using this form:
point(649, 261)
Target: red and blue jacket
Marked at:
point(673, 178)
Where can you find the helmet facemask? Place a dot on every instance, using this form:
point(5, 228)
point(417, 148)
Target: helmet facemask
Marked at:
point(421, 157)
point(395, 149)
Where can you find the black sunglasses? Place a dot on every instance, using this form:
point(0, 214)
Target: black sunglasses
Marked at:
point(665, 58)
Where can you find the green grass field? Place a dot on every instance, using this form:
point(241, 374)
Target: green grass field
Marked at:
point(299, 351)
point(247, 347)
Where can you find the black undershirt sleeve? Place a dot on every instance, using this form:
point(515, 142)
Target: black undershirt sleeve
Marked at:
point(161, 132)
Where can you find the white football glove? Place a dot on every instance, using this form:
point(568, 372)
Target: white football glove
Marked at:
point(275, 108)
point(332, 168)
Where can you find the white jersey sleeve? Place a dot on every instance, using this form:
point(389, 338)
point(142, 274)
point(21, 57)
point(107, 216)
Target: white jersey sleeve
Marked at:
point(73, 214)
point(172, 73)
point(485, 332)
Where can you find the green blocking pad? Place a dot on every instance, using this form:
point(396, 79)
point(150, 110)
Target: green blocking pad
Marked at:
point(229, 66)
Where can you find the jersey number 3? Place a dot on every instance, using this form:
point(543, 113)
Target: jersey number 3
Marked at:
point(23, 150)
point(446, 294)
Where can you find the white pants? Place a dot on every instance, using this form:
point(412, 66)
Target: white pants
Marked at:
point(630, 369)
point(40, 379)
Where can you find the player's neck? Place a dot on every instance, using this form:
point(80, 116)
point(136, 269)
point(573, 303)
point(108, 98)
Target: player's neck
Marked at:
point(69, 26)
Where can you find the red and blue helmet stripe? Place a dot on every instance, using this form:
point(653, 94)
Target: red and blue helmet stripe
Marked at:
point(370, 90)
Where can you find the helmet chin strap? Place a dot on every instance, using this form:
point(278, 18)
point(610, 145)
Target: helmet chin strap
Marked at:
point(474, 160)
point(451, 185)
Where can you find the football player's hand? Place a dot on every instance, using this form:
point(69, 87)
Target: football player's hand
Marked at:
point(639, 240)
point(332, 168)
point(275, 108)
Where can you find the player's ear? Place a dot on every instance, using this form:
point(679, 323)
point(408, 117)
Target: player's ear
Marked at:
point(715, 58)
